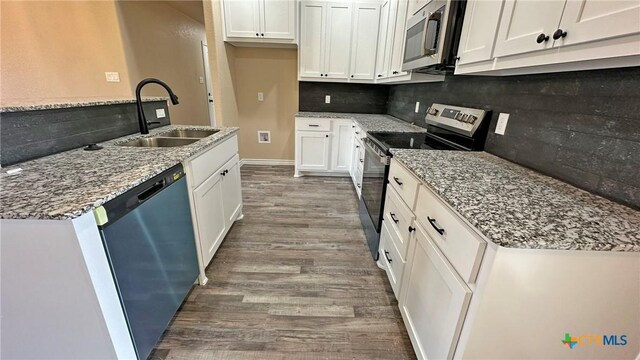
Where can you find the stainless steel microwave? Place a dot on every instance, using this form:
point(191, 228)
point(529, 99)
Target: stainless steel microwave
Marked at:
point(432, 37)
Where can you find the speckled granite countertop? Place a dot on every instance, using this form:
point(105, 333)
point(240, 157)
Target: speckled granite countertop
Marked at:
point(71, 183)
point(519, 208)
point(63, 105)
point(369, 122)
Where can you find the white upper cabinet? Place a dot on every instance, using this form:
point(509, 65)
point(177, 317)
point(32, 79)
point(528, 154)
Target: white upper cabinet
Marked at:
point(338, 40)
point(527, 26)
point(381, 60)
point(590, 20)
point(479, 30)
point(278, 19)
point(312, 25)
point(260, 22)
point(398, 28)
point(364, 42)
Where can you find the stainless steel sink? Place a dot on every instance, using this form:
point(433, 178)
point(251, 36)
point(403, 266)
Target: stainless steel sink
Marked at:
point(157, 141)
point(195, 134)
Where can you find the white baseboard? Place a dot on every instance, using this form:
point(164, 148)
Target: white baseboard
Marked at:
point(266, 162)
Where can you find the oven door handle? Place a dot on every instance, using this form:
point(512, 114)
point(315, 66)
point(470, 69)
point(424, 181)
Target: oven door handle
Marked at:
point(382, 159)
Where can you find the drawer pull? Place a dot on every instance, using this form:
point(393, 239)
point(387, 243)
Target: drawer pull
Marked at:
point(411, 229)
point(397, 181)
point(393, 217)
point(313, 125)
point(386, 255)
point(361, 160)
point(433, 223)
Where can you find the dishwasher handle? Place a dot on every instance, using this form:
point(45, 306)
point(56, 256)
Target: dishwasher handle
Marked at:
point(151, 190)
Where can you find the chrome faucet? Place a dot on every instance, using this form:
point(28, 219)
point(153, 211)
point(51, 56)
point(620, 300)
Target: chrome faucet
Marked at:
point(142, 120)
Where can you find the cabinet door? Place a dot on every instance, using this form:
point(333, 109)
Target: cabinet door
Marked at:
point(231, 191)
point(433, 301)
point(382, 63)
point(208, 201)
point(341, 145)
point(589, 20)
point(242, 18)
point(312, 28)
point(337, 40)
point(399, 35)
point(277, 19)
point(364, 41)
point(479, 29)
point(312, 150)
point(521, 23)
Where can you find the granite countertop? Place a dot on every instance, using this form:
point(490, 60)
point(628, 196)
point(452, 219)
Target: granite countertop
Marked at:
point(74, 104)
point(72, 183)
point(369, 122)
point(516, 207)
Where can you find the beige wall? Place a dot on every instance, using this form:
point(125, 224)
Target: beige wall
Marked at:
point(162, 42)
point(57, 51)
point(238, 75)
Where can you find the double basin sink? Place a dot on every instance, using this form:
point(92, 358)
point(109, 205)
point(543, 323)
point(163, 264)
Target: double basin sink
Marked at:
point(170, 138)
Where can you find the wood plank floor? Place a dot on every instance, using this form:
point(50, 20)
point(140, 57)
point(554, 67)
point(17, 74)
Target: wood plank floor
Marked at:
point(293, 280)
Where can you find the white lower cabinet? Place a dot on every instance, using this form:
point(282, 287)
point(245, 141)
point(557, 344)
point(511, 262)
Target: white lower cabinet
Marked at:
point(215, 193)
point(312, 151)
point(324, 146)
point(390, 258)
point(434, 300)
point(341, 145)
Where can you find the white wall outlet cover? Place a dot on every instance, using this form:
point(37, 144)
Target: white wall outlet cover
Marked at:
point(260, 96)
point(160, 113)
point(264, 137)
point(417, 106)
point(327, 99)
point(201, 80)
point(112, 76)
point(501, 126)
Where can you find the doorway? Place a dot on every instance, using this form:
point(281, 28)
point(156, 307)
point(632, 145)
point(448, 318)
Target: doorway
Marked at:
point(207, 81)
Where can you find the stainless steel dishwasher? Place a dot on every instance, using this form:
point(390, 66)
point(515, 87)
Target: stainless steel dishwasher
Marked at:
point(148, 237)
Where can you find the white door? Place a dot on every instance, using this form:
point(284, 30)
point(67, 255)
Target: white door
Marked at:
point(399, 35)
point(337, 40)
point(312, 150)
point(589, 20)
point(381, 62)
point(341, 145)
point(416, 5)
point(208, 200)
point(433, 300)
point(208, 84)
point(527, 25)
point(231, 191)
point(242, 18)
point(481, 19)
point(312, 28)
point(277, 19)
point(364, 41)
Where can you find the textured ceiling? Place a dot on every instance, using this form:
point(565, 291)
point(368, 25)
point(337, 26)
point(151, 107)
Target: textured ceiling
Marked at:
point(191, 8)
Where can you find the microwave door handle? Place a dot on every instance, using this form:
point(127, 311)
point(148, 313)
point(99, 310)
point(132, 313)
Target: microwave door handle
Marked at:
point(436, 18)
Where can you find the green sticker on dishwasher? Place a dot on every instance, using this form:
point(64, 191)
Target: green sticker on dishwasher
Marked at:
point(101, 216)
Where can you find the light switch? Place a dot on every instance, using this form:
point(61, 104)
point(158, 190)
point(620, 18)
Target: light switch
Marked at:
point(260, 96)
point(112, 76)
point(501, 126)
point(160, 113)
point(327, 99)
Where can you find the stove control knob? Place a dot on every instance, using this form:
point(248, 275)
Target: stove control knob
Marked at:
point(464, 118)
point(432, 111)
point(472, 119)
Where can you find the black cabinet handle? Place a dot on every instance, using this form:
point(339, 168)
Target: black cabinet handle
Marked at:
point(314, 125)
point(321, 74)
point(393, 217)
point(351, 75)
point(433, 223)
point(357, 132)
point(542, 38)
point(559, 34)
point(397, 181)
point(357, 146)
point(379, 75)
point(411, 229)
point(257, 34)
point(262, 35)
point(361, 160)
point(326, 135)
point(386, 255)
point(222, 173)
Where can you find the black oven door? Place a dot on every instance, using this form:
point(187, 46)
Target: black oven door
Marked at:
point(374, 175)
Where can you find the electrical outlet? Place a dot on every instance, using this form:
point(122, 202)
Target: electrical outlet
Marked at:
point(501, 126)
point(201, 79)
point(160, 113)
point(112, 76)
point(260, 96)
point(327, 99)
point(417, 106)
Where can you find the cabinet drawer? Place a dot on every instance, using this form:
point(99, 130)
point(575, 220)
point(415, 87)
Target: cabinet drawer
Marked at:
point(207, 163)
point(399, 217)
point(459, 244)
point(391, 259)
point(313, 124)
point(403, 182)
